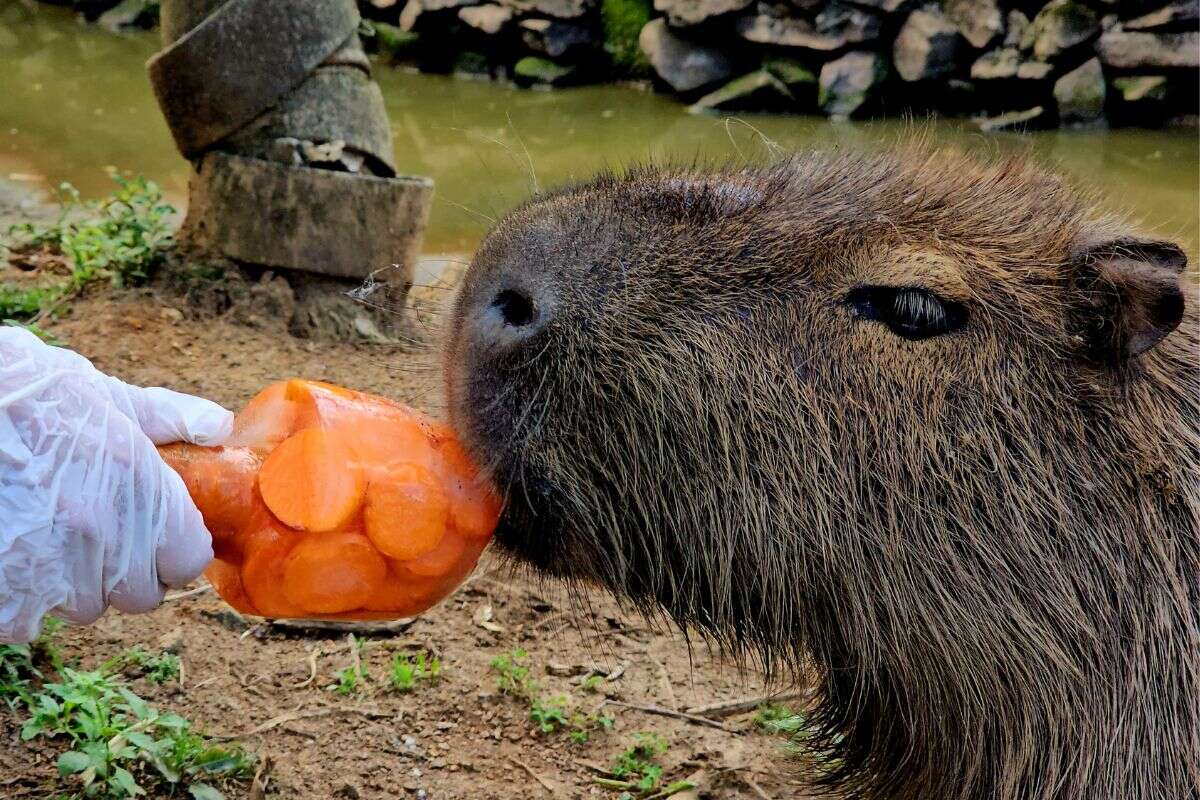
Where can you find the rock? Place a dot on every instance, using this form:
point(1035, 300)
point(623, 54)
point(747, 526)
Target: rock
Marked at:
point(798, 32)
point(850, 24)
point(758, 91)
point(414, 10)
point(1179, 15)
point(1141, 88)
point(171, 642)
point(978, 21)
point(554, 38)
point(926, 47)
point(1034, 70)
point(172, 315)
point(1013, 120)
point(683, 65)
point(1141, 100)
point(848, 83)
point(1059, 26)
point(393, 41)
point(997, 64)
point(1018, 23)
point(531, 70)
point(692, 12)
point(561, 9)
point(792, 73)
point(1080, 93)
point(130, 14)
point(886, 6)
point(1133, 49)
point(489, 19)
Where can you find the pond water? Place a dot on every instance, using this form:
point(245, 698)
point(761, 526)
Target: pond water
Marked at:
point(74, 100)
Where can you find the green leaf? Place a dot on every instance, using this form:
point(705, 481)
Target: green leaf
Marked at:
point(125, 782)
point(73, 761)
point(202, 791)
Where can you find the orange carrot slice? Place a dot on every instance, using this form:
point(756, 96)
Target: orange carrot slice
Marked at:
point(311, 482)
point(381, 433)
point(221, 481)
point(475, 505)
point(266, 420)
point(403, 593)
point(333, 572)
point(440, 560)
point(406, 512)
point(227, 580)
point(262, 571)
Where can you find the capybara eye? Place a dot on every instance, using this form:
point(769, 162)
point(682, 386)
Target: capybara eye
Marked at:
point(909, 312)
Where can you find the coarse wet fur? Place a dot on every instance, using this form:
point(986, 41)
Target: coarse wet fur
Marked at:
point(925, 425)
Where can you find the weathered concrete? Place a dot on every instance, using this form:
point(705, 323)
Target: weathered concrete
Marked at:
point(261, 212)
point(218, 77)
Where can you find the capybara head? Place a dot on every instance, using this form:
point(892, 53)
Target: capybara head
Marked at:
point(925, 426)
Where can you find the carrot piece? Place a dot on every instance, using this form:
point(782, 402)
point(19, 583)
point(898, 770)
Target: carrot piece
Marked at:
point(267, 419)
point(403, 593)
point(406, 512)
point(440, 560)
point(382, 443)
point(333, 572)
point(227, 581)
point(262, 570)
point(381, 433)
point(221, 481)
point(310, 481)
point(475, 505)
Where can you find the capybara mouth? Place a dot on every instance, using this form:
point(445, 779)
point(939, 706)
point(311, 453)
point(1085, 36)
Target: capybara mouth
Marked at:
point(534, 527)
point(529, 528)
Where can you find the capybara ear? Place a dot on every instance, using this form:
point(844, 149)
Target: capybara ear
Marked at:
point(1126, 296)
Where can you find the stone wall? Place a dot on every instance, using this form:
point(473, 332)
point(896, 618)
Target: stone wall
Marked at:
point(1005, 63)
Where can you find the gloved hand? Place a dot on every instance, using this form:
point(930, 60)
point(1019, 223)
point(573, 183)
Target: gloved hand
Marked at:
point(90, 516)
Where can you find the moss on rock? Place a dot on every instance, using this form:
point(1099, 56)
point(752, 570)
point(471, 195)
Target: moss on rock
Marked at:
point(623, 22)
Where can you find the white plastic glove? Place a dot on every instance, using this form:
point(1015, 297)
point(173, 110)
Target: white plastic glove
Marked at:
point(90, 516)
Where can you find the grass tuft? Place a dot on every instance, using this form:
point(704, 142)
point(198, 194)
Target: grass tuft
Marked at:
point(120, 239)
point(118, 746)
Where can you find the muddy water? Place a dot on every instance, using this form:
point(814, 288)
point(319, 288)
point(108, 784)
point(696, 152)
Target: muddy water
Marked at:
point(74, 100)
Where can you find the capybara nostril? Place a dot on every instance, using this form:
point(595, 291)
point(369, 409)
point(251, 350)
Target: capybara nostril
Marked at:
point(516, 308)
point(503, 318)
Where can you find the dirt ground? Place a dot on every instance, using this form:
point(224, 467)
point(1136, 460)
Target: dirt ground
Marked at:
point(458, 738)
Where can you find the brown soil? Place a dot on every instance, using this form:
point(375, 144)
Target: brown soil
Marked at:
point(458, 738)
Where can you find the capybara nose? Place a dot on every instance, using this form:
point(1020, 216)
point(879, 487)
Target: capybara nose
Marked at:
point(508, 317)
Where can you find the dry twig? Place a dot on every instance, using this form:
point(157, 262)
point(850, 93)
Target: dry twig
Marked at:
point(669, 712)
point(547, 784)
point(729, 708)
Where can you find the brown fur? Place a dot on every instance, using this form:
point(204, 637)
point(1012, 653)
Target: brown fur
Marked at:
point(985, 543)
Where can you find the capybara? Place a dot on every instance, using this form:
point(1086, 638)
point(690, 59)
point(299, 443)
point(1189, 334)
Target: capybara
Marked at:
point(924, 426)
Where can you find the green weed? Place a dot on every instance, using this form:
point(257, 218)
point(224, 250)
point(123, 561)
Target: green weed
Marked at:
point(513, 678)
point(348, 678)
point(120, 746)
point(155, 668)
point(549, 714)
point(406, 671)
point(776, 718)
point(119, 239)
point(347, 681)
point(638, 772)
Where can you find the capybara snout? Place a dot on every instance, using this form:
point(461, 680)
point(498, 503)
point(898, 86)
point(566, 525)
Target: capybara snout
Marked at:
point(923, 425)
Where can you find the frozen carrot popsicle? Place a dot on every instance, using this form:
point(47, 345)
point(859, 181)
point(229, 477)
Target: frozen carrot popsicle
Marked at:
point(333, 503)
